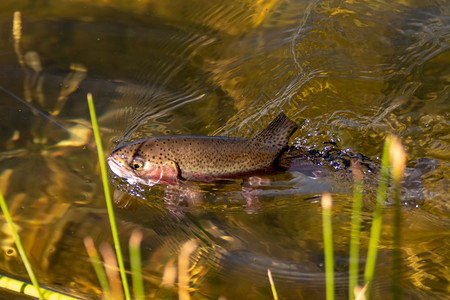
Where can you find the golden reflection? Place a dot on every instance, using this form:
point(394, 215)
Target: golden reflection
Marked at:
point(70, 85)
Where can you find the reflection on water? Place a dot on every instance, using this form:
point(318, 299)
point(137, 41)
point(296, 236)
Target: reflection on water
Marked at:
point(347, 72)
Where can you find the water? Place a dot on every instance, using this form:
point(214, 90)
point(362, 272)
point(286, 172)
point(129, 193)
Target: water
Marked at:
point(350, 72)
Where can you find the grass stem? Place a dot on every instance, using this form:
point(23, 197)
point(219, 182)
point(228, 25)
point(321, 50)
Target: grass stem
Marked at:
point(396, 251)
point(375, 231)
point(398, 162)
point(19, 246)
point(328, 244)
point(112, 271)
point(272, 285)
point(25, 288)
point(98, 267)
point(355, 231)
point(109, 203)
point(136, 269)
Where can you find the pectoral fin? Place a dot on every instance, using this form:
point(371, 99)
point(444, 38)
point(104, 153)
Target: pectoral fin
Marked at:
point(179, 198)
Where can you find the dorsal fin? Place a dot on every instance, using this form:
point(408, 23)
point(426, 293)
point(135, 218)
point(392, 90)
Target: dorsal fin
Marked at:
point(277, 133)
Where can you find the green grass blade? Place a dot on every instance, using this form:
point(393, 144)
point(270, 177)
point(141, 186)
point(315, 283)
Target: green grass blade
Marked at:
point(355, 232)
point(328, 245)
point(398, 162)
point(396, 251)
point(375, 231)
point(136, 269)
point(98, 267)
point(25, 288)
point(272, 285)
point(19, 246)
point(109, 203)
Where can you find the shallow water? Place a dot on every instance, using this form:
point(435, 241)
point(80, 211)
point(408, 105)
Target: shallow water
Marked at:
point(349, 72)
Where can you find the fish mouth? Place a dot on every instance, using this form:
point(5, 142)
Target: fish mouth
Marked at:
point(121, 171)
point(117, 168)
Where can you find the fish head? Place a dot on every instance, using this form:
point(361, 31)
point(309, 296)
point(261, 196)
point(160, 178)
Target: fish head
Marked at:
point(136, 166)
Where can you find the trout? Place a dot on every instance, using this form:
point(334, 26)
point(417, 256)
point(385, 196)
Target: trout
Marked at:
point(171, 159)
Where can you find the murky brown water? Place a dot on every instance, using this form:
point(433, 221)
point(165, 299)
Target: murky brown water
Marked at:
point(347, 71)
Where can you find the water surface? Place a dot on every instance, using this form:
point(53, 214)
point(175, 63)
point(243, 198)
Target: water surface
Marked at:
point(346, 71)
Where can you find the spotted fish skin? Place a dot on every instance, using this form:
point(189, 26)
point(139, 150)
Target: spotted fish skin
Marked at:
point(167, 160)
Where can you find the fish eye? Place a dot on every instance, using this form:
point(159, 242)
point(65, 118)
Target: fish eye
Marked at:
point(137, 163)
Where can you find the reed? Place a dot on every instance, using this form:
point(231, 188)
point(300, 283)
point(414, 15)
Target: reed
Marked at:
point(375, 231)
point(109, 203)
point(398, 162)
point(393, 157)
point(18, 286)
point(112, 271)
point(272, 285)
point(328, 244)
point(360, 292)
point(136, 269)
point(27, 289)
point(98, 268)
point(19, 246)
point(355, 231)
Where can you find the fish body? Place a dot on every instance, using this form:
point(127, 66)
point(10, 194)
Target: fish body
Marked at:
point(167, 160)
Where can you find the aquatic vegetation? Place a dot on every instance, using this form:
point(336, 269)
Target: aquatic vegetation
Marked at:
point(378, 214)
point(98, 267)
point(355, 233)
point(328, 245)
point(272, 285)
point(136, 268)
point(392, 166)
point(20, 246)
point(111, 290)
point(109, 202)
point(398, 161)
